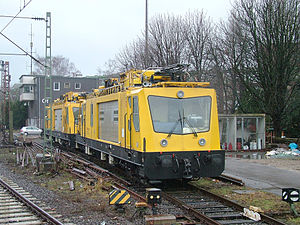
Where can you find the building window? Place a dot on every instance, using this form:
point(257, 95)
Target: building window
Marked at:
point(77, 85)
point(28, 89)
point(56, 86)
point(67, 85)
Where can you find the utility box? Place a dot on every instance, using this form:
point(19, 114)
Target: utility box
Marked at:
point(44, 164)
point(242, 131)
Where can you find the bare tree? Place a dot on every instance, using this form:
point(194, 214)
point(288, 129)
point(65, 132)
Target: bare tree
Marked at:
point(111, 67)
point(197, 33)
point(253, 58)
point(61, 66)
point(166, 45)
point(132, 56)
point(228, 54)
point(166, 40)
point(172, 39)
point(271, 30)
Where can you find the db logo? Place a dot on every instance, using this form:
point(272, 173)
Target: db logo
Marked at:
point(45, 101)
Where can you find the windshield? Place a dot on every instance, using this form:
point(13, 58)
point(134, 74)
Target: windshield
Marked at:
point(180, 116)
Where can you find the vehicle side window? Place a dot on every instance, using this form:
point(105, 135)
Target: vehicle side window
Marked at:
point(76, 114)
point(67, 115)
point(92, 115)
point(129, 101)
point(116, 116)
point(136, 119)
point(82, 114)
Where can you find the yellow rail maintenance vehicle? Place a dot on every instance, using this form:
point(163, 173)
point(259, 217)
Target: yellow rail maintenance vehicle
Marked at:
point(65, 114)
point(154, 124)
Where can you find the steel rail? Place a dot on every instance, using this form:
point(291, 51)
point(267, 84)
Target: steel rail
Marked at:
point(42, 213)
point(227, 178)
point(120, 181)
point(233, 204)
point(94, 167)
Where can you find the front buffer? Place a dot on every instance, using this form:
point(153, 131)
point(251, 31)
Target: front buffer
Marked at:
point(183, 165)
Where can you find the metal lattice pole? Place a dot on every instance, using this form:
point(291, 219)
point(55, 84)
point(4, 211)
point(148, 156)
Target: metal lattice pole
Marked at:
point(5, 98)
point(2, 102)
point(48, 90)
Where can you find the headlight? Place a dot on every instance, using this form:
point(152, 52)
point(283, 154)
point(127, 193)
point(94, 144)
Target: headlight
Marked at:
point(180, 94)
point(163, 142)
point(202, 142)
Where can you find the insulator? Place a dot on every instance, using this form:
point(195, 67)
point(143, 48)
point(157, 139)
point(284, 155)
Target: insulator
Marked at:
point(38, 18)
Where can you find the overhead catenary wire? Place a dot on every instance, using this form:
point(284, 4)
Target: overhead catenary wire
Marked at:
point(15, 15)
point(3, 53)
point(35, 59)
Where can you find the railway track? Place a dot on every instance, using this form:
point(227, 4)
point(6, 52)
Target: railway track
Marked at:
point(210, 208)
point(204, 209)
point(18, 207)
point(200, 205)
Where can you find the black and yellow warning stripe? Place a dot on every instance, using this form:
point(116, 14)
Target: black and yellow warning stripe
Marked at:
point(119, 197)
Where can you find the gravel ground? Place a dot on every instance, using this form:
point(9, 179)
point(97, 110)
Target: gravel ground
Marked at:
point(73, 207)
point(71, 211)
point(54, 201)
point(43, 194)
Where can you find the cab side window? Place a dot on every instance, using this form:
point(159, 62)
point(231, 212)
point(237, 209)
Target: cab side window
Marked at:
point(135, 114)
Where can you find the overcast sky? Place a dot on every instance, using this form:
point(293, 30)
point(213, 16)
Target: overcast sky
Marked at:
point(88, 32)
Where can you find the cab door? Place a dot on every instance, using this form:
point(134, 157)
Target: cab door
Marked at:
point(65, 119)
point(82, 119)
point(75, 112)
point(133, 124)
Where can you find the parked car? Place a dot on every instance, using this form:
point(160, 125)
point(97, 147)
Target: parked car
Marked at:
point(31, 130)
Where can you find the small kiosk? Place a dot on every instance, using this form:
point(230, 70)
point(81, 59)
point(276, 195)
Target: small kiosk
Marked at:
point(242, 131)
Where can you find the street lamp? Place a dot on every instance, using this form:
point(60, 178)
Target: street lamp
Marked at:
point(146, 34)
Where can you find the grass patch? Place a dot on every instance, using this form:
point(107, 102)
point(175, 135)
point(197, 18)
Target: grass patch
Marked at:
point(293, 221)
point(266, 201)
